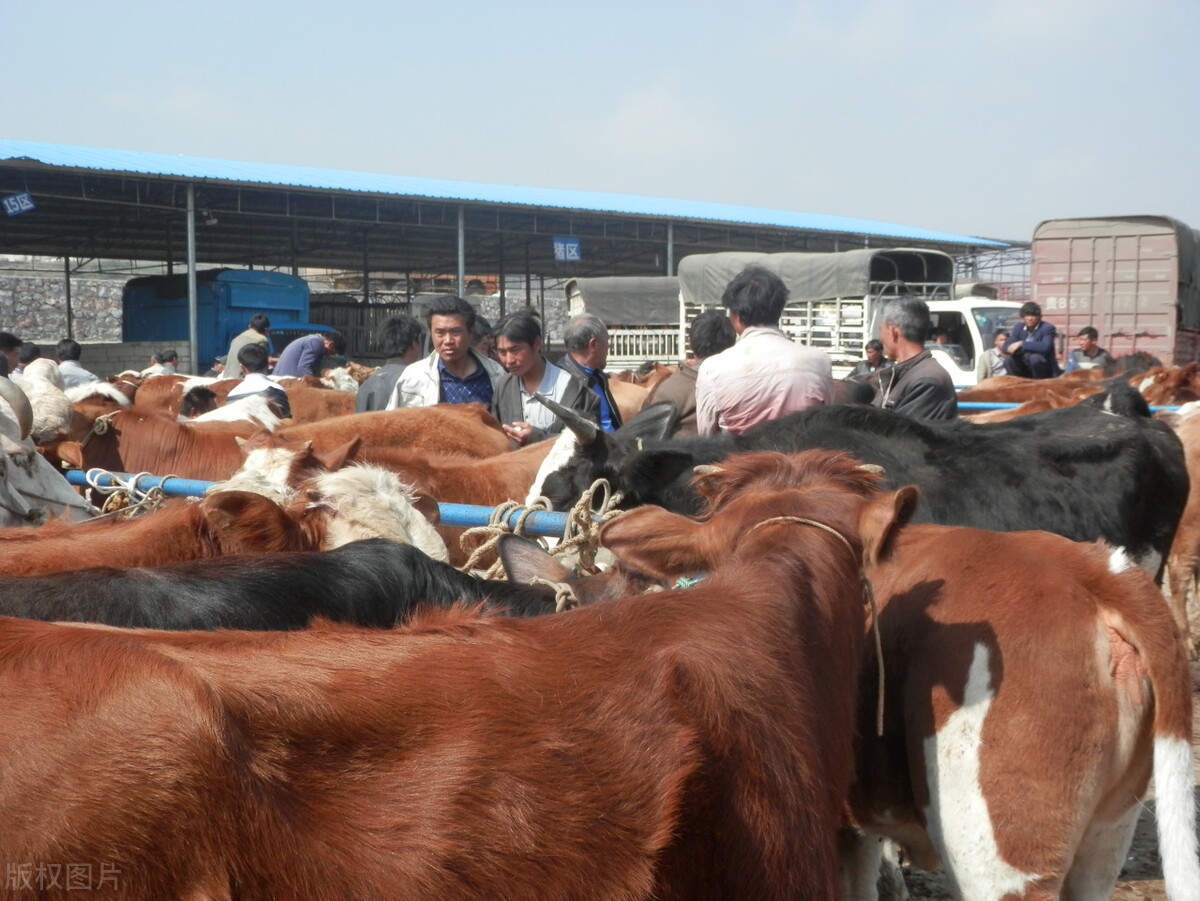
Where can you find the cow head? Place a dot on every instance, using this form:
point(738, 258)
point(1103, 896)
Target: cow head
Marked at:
point(584, 453)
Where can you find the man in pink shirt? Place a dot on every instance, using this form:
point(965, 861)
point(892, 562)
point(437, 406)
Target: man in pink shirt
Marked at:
point(764, 375)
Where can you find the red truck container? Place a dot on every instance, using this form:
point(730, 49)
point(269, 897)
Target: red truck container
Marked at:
point(1135, 279)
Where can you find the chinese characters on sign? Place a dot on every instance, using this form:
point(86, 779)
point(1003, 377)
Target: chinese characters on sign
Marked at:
point(567, 250)
point(18, 203)
point(71, 877)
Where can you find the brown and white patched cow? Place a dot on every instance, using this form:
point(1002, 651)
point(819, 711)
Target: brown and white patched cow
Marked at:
point(1033, 684)
point(680, 745)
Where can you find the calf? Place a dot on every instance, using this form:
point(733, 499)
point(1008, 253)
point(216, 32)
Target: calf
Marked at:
point(683, 745)
point(1100, 469)
point(1032, 685)
point(373, 582)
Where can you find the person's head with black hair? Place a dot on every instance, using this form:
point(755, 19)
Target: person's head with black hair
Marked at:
point(260, 323)
point(711, 332)
point(755, 296)
point(68, 349)
point(398, 334)
point(451, 326)
point(163, 357)
point(28, 352)
point(253, 358)
point(10, 344)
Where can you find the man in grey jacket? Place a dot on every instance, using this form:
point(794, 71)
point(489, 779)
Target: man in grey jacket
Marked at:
point(399, 338)
point(453, 373)
point(918, 385)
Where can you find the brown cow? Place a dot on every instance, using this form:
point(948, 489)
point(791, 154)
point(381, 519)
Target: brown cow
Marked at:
point(313, 402)
point(467, 429)
point(1033, 684)
point(1183, 563)
point(684, 745)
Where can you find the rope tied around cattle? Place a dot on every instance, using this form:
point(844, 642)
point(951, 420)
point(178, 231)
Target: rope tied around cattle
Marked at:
point(124, 498)
point(580, 534)
point(868, 596)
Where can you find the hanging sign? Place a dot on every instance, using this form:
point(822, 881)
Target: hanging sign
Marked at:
point(567, 250)
point(15, 204)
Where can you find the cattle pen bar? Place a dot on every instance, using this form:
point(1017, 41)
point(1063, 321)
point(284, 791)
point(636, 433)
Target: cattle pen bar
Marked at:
point(540, 522)
point(1009, 405)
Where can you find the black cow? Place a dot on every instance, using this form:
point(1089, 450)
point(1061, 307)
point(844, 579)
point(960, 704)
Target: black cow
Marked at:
point(1101, 469)
point(374, 582)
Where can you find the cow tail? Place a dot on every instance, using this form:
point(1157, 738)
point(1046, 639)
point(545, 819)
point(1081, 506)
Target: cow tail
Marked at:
point(1175, 777)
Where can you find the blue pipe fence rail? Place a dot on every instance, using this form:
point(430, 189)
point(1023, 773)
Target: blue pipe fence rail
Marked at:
point(465, 516)
point(540, 523)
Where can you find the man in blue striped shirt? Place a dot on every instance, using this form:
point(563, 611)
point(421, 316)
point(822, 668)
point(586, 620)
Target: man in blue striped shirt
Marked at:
point(586, 340)
point(453, 373)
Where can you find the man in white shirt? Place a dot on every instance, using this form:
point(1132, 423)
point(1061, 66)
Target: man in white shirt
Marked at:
point(68, 353)
point(764, 375)
point(253, 360)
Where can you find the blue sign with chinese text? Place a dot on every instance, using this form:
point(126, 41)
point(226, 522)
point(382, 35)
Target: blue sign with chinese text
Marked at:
point(14, 204)
point(567, 250)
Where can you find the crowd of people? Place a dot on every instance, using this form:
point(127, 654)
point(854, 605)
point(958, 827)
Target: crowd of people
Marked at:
point(743, 369)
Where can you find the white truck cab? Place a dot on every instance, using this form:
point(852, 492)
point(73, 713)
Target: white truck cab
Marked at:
point(969, 324)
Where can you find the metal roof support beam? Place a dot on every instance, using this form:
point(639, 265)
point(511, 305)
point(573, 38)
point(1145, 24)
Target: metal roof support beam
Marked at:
point(67, 285)
point(671, 250)
point(462, 250)
point(193, 346)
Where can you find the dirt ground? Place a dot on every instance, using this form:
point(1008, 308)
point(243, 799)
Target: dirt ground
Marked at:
point(1142, 878)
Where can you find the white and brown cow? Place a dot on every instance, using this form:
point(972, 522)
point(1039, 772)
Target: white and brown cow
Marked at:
point(1033, 684)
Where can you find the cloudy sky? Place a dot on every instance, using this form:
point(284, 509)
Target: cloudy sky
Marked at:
point(980, 117)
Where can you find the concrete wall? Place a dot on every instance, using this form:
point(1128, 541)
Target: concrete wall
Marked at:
point(108, 358)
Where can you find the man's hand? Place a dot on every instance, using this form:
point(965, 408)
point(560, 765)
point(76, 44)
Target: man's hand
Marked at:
point(517, 431)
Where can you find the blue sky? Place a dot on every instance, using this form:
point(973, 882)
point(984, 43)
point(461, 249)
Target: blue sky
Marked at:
point(982, 117)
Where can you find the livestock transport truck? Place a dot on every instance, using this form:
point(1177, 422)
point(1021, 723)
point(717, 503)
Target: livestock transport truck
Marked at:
point(1135, 279)
point(836, 300)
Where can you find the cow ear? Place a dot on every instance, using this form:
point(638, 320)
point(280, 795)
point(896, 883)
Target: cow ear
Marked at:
point(656, 542)
point(250, 522)
point(426, 506)
point(335, 458)
point(70, 453)
point(882, 518)
point(526, 560)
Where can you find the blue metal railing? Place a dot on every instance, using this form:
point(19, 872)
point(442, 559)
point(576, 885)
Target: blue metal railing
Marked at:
point(550, 525)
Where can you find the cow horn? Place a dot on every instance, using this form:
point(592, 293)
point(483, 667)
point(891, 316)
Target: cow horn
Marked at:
point(585, 430)
point(707, 469)
point(16, 398)
point(871, 467)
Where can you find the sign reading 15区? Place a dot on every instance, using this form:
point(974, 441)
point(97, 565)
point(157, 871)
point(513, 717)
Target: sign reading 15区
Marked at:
point(567, 250)
point(18, 203)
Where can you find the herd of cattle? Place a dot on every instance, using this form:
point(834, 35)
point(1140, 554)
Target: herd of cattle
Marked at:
point(840, 627)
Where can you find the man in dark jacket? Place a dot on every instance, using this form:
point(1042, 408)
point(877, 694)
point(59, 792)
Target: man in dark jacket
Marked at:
point(524, 419)
point(917, 385)
point(1029, 350)
point(399, 338)
point(586, 339)
point(711, 332)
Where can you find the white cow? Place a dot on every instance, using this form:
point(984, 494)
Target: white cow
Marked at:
point(31, 491)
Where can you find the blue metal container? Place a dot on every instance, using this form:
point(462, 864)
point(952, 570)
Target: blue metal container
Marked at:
point(155, 308)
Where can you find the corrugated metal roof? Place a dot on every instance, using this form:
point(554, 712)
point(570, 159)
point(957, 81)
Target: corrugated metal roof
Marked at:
point(205, 169)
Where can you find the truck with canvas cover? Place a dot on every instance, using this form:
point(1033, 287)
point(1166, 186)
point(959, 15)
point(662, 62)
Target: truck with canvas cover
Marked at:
point(641, 312)
point(835, 300)
point(155, 308)
point(1135, 279)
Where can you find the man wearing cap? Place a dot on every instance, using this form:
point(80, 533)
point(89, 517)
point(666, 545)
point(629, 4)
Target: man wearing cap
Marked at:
point(1089, 354)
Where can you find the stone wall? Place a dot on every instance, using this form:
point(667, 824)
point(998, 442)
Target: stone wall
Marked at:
point(35, 307)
